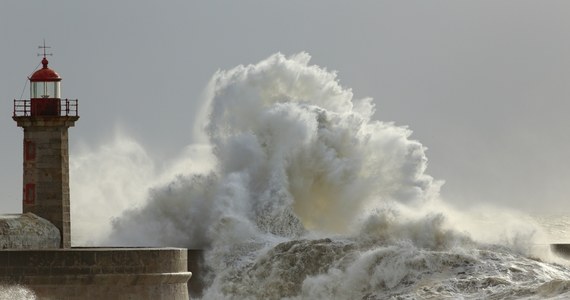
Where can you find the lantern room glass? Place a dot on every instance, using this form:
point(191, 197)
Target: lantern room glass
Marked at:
point(45, 89)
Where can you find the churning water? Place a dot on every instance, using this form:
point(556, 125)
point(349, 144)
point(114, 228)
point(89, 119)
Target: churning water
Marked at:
point(298, 193)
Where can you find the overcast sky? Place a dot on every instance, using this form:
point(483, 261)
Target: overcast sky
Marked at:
point(483, 84)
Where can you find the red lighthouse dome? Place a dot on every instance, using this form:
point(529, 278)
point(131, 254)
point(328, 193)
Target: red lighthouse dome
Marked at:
point(45, 73)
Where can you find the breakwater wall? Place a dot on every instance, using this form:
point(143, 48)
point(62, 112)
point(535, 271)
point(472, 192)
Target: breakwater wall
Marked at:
point(99, 273)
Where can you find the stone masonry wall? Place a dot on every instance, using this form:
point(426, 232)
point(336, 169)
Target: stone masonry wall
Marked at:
point(46, 170)
point(98, 273)
point(46, 175)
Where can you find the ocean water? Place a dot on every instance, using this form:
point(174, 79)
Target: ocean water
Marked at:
point(395, 259)
point(295, 191)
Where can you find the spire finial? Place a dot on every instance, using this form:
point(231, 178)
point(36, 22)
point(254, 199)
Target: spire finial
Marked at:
point(44, 60)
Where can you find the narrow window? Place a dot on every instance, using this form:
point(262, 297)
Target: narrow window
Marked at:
point(30, 194)
point(29, 150)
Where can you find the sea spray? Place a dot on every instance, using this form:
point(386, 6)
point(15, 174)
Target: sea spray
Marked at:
point(294, 152)
point(117, 176)
point(16, 292)
point(306, 196)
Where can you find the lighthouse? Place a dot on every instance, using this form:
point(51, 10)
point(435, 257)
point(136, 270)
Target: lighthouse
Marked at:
point(45, 118)
point(35, 247)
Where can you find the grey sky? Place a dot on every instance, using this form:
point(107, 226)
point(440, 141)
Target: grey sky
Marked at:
point(483, 84)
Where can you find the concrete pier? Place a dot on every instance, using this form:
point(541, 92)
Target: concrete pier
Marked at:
point(98, 273)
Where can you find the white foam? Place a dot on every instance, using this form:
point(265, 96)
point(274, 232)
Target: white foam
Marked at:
point(16, 292)
point(296, 158)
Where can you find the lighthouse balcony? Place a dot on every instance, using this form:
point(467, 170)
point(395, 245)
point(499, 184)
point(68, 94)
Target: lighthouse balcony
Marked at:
point(46, 107)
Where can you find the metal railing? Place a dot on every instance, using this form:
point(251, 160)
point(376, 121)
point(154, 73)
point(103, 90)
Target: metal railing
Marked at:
point(70, 107)
point(22, 108)
point(67, 108)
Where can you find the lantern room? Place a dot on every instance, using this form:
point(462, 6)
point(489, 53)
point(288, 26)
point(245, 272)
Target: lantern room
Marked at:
point(45, 83)
point(45, 91)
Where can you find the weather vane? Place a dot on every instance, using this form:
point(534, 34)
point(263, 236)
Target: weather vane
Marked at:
point(44, 47)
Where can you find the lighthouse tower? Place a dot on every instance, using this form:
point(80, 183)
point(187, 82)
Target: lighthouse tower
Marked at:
point(45, 118)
